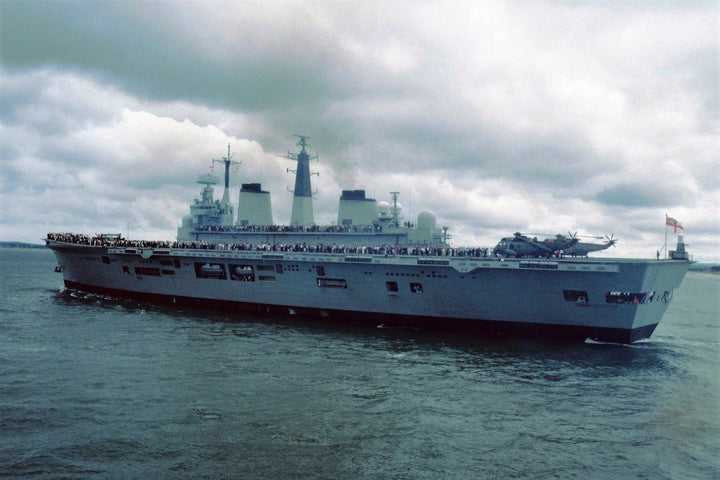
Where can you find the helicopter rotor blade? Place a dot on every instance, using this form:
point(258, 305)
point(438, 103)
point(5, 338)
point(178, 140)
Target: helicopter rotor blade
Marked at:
point(611, 239)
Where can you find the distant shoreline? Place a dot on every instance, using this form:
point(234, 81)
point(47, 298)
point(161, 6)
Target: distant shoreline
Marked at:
point(20, 245)
point(705, 274)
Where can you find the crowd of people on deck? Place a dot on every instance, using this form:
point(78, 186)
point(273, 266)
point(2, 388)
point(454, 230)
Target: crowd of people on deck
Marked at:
point(117, 241)
point(290, 229)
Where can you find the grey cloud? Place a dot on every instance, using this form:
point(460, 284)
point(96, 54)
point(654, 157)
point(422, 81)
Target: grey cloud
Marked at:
point(629, 195)
point(102, 37)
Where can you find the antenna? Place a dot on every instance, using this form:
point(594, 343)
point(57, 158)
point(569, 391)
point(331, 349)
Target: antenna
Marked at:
point(227, 161)
point(303, 142)
point(225, 202)
point(395, 211)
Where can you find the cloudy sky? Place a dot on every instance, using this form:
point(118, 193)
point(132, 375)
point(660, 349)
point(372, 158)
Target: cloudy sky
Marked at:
point(541, 117)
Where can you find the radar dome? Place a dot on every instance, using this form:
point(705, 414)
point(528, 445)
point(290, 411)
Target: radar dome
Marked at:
point(383, 208)
point(426, 220)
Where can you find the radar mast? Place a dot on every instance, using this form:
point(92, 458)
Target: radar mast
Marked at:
point(302, 208)
point(396, 218)
point(225, 202)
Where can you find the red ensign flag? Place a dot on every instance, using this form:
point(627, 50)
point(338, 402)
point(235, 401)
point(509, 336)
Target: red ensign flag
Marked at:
point(673, 223)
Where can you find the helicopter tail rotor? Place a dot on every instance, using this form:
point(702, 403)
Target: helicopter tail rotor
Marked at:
point(611, 239)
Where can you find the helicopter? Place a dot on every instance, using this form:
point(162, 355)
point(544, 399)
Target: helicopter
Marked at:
point(521, 245)
point(581, 249)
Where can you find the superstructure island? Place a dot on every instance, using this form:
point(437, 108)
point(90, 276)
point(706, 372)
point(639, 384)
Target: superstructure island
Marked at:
point(373, 267)
point(361, 221)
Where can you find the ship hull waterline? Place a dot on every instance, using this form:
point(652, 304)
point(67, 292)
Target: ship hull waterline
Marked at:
point(429, 324)
point(606, 300)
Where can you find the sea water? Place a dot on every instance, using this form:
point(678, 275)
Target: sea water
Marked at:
point(97, 387)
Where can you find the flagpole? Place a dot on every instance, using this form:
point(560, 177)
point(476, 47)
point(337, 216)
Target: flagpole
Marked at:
point(665, 246)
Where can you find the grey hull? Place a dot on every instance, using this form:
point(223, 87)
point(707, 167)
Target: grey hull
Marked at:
point(614, 300)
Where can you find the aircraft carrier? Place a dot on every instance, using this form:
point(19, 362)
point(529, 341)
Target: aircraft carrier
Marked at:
point(371, 266)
